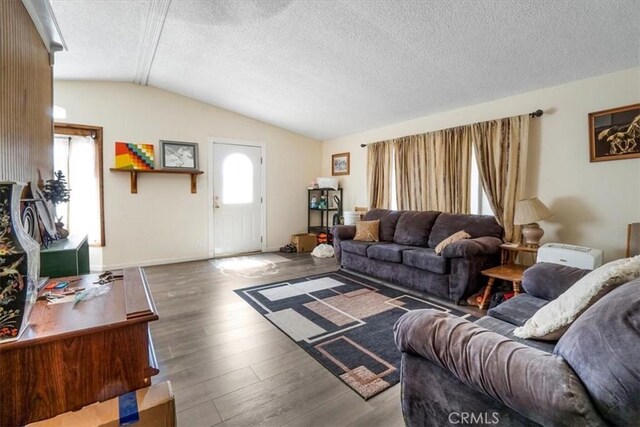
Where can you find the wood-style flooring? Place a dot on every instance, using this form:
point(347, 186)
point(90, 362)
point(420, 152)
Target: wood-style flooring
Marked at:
point(229, 366)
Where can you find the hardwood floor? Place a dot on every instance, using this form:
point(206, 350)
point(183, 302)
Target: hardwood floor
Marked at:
point(231, 367)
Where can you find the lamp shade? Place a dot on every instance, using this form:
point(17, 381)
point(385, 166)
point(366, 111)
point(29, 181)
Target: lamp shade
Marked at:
point(530, 210)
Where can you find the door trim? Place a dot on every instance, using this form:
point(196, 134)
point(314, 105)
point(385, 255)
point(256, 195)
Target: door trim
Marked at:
point(263, 188)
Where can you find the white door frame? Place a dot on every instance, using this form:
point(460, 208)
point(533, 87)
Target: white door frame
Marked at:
point(263, 189)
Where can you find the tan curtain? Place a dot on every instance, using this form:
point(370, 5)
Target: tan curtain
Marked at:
point(379, 174)
point(501, 148)
point(410, 158)
point(433, 171)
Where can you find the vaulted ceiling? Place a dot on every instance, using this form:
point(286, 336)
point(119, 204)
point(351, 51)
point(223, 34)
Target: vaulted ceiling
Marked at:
point(327, 68)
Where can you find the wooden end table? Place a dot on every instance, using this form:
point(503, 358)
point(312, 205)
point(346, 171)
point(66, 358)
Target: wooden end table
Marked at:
point(509, 272)
point(510, 252)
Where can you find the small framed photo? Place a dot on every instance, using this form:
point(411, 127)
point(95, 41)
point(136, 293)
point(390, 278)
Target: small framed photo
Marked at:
point(179, 155)
point(615, 134)
point(340, 164)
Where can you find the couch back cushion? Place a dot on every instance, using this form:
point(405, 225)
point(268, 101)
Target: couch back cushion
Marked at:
point(388, 221)
point(476, 225)
point(414, 227)
point(602, 347)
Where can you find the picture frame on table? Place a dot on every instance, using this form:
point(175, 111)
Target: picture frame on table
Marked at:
point(614, 134)
point(179, 155)
point(340, 164)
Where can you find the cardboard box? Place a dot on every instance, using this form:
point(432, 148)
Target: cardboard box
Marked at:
point(156, 408)
point(304, 242)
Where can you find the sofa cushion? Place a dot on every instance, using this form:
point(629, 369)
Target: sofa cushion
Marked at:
point(425, 259)
point(506, 329)
point(476, 225)
point(414, 227)
point(388, 220)
point(548, 281)
point(355, 246)
point(552, 320)
point(602, 347)
point(517, 310)
point(390, 252)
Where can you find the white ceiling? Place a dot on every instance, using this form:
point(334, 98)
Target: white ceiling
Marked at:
point(328, 68)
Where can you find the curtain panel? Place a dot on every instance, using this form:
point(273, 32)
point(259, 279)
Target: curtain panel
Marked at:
point(379, 174)
point(432, 171)
point(501, 149)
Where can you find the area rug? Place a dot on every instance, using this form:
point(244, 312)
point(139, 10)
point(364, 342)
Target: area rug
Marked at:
point(343, 321)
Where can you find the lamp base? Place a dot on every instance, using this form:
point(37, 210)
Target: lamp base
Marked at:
point(532, 233)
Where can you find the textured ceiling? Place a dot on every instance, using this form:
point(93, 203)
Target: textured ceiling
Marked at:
point(328, 68)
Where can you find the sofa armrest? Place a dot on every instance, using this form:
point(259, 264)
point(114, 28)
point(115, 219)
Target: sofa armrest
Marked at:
point(538, 385)
point(339, 233)
point(469, 248)
point(343, 232)
point(548, 281)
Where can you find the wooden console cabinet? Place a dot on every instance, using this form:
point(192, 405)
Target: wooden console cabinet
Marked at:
point(75, 354)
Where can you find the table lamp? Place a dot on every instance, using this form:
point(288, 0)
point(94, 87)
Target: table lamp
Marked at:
point(528, 212)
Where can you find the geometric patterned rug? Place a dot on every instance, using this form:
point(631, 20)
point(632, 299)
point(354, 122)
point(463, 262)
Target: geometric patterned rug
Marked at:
point(343, 321)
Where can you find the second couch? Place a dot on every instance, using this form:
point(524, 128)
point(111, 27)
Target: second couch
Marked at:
point(406, 254)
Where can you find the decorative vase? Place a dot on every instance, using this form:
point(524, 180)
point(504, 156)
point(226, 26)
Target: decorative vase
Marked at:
point(19, 265)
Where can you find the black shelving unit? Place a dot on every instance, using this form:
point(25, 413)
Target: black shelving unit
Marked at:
point(325, 214)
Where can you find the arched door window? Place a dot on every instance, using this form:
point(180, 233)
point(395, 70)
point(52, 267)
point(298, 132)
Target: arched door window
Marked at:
point(237, 185)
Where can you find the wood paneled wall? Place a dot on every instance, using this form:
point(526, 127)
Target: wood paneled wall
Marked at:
point(26, 97)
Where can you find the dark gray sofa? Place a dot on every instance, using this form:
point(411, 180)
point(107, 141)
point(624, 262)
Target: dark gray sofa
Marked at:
point(455, 371)
point(405, 254)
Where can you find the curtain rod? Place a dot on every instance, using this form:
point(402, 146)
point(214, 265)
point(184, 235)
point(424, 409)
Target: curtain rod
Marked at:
point(533, 115)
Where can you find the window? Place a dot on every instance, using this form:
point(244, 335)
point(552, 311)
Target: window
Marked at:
point(237, 185)
point(479, 201)
point(77, 152)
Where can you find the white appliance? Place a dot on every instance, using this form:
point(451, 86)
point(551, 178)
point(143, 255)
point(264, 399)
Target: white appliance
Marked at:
point(570, 255)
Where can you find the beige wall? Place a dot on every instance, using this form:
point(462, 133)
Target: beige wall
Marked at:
point(164, 222)
point(591, 202)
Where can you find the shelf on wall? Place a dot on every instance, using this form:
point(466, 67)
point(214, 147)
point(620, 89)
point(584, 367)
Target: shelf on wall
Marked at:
point(134, 176)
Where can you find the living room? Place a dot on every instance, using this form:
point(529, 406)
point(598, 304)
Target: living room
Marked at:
point(299, 82)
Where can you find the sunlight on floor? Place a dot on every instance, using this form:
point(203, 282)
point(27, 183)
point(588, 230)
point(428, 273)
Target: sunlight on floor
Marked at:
point(242, 263)
point(250, 266)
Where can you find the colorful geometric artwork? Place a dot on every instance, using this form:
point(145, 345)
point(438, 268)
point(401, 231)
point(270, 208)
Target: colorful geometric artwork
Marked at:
point(134, 156)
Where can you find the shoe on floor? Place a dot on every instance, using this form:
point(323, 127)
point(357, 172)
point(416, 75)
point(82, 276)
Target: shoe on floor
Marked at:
point(289, 248)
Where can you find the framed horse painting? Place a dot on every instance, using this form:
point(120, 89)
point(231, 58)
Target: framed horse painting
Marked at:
point(614, 134)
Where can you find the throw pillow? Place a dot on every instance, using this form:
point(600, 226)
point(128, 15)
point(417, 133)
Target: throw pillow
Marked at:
point(449, 240)
point(367, 231)
point(552, 320)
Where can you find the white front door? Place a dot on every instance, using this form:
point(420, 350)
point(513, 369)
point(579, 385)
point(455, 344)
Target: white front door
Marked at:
point(237, 190)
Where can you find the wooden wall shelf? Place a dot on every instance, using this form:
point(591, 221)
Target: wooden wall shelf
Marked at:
point(134, 176)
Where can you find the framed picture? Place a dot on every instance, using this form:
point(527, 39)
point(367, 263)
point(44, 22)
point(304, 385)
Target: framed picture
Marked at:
point(615, 134)
point(179, 155)
point(340, 164)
